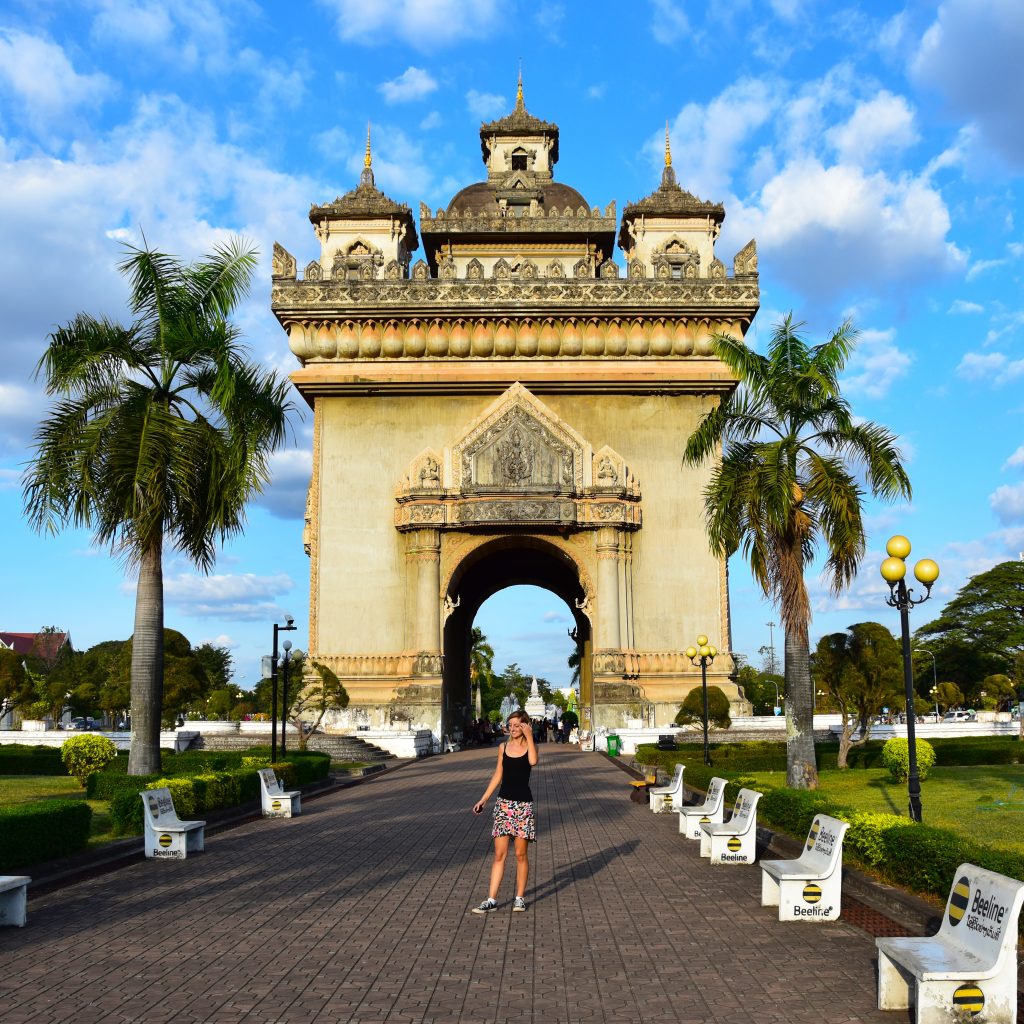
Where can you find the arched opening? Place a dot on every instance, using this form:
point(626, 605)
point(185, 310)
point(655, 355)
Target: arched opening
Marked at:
point(494, 566)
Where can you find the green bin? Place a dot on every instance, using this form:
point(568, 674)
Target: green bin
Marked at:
point(614, 745)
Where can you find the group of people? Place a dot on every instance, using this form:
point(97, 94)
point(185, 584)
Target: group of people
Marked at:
point(481, 732)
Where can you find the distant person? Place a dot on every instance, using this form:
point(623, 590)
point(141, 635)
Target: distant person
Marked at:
point(513, 810)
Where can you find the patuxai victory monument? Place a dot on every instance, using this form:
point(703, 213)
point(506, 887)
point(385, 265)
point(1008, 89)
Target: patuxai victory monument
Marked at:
point(510, 406)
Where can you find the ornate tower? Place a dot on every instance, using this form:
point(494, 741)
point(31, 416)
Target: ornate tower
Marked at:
point(512, 408)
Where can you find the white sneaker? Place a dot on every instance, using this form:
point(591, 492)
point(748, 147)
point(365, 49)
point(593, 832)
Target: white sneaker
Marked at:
point(488, 906)
point(518, 904)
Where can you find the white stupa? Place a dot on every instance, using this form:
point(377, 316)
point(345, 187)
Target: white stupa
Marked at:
point(535, 702)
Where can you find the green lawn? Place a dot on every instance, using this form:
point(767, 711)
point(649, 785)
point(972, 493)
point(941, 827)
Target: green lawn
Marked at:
point(983, 802)
point(20, 789)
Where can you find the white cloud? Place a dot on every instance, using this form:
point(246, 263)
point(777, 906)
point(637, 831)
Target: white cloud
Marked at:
point(994, 367)
point(222, 640)
point(711, 138)
point(1016, 460)
point(1008, 503)
point(38, 78)
point(244, 597)
point(290, 471)
point(877, 363)
point(979, 267)
point(334, 143)
point(828, 229)
point(485, 104)
point(883, 123)
point(555, 616)
point(432, 120)
point(597, 91)
point(963, 307)
point(668, 21)
point(423, 24)
point(10, 479)
point(971, 55)
point(787, 10)
point(412, 84)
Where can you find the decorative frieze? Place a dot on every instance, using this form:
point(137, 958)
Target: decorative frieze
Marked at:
point(521, 337)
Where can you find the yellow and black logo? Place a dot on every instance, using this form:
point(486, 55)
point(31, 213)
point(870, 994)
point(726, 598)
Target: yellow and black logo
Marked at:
point(734, 844)
point(276, 805)
point(970, 998)
point(812, 835)
point(959, 900)
point(165, 840)
point(812, 893)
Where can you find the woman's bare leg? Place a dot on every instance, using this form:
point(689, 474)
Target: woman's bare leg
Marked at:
point(498, 867)
point(522, 865)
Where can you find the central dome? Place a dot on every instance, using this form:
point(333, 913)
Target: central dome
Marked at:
point(482, 197)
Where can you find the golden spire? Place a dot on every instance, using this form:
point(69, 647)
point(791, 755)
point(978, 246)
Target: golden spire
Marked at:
point(367, 160)
point(668, 148)
point(520, 105)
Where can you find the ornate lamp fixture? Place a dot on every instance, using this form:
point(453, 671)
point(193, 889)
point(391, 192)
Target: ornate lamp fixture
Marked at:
point(894, 571)
point(703, 654)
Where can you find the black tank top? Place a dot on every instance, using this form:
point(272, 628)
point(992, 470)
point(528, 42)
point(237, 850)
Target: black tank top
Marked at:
point(515, 777)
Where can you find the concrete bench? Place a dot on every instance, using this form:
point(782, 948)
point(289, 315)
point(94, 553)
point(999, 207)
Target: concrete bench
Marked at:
point(277, 802)
point(670, 797)
point(14, 899)
point(969, 967)
point(167, 836)
point(711, 812)
point(733, 842)
point(809, 888)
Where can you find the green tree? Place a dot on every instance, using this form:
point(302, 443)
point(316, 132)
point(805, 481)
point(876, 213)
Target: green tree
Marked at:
point(760, 688)
point(986, 615)
point(998, 690)
point(161, 432)
point(481, 666)
point(787, 483)
point(862, 670)
point(692, 708)
point(949, 695)
point(217, 662)
point(16, 687)
point(312, 701)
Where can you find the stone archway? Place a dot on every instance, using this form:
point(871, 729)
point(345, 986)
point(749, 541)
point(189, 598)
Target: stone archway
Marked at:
point(497, 563)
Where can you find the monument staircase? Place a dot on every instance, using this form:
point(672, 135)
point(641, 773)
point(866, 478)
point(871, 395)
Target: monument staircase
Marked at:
point(340, 747)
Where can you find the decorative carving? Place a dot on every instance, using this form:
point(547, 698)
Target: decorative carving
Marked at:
point(609, 270)
point(282, 264)
point(515, 457)
point(393, 271)
point(450, 606)
point(717, 270)
point(427, 664)
point(474, 270)
point(582, 268)
point(745, 261)
point(502, 270)
point(528, 270)
point(607, 474)
point(420, 271)
point(313, 271)
point(637, 269)
point(555, 269)
point(446, 269)
point(430, 472)
point(421, 515)
point(543, 510)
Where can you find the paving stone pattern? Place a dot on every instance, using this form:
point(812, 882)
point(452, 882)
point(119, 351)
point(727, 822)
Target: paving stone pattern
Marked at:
point(359, 911)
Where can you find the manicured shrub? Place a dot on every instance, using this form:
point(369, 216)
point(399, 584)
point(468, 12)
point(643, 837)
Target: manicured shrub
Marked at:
point(896, 757)
point(35, 832)
point(256, 762)
point(22, 759)
point(866, 837)
point(86, 754)
point(310, 766)
point(106, 785)
point(692, 708)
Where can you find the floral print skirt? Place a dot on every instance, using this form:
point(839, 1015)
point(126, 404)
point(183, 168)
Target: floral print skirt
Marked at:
point(514, 818)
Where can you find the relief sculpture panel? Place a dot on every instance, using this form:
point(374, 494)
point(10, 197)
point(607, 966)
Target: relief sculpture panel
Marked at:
point(517, 453)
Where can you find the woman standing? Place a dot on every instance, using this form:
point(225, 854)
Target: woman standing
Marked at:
point(513, 810)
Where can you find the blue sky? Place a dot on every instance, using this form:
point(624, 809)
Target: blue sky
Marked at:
point(874, 150)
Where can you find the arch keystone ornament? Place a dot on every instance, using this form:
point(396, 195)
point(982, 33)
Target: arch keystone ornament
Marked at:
point(484, 416)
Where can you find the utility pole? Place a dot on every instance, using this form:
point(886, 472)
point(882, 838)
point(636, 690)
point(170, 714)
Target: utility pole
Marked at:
point(771, 648)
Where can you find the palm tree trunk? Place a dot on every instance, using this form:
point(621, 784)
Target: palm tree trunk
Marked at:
point(148, 663)
point(801, 767)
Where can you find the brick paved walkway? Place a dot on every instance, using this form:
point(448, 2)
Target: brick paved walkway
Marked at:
point(359, 911)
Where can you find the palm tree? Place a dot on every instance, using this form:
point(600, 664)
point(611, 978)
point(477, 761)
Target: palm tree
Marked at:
point(481, 665)
point(160, 433)
point(787, 483)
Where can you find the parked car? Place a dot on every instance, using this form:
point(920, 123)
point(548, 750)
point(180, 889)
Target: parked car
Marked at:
point(958, 716)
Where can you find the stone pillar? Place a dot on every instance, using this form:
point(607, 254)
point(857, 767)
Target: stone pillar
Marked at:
point(425, 554)
point(609, 634)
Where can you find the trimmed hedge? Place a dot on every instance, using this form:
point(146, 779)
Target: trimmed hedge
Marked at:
point(203, 791)
point(34, 832)
point(22, 759)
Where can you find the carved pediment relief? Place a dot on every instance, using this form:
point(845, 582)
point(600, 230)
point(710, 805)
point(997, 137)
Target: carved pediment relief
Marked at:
point(519, 444)
point(518, 462)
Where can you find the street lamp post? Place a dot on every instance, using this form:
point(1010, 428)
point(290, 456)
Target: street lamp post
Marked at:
point(288, 626)
point(894, 571)
point(287, 645)
point(703, 654)
point(934, 691)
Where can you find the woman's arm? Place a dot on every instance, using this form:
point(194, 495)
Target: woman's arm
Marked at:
point(494, 784)
point(531, 747)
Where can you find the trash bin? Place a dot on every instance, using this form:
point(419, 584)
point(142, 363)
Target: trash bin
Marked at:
point(614, 745)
